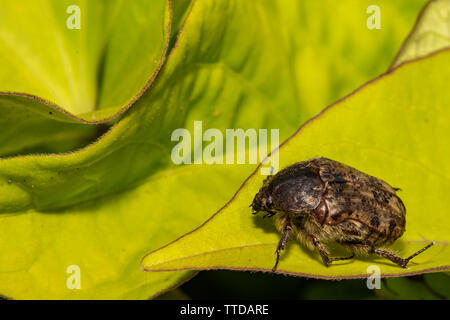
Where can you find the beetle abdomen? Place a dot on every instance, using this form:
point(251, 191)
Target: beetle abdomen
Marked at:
point(379, 214)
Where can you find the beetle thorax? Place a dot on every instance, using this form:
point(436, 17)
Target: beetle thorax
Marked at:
point(300, 194)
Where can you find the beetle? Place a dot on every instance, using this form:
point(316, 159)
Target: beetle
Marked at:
point(323, 201)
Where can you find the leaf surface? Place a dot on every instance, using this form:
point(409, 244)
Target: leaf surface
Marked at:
point(430, 33)
point(53, 77)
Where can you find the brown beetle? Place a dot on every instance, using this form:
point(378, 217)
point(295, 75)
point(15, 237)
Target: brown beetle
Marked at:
point(323, 201)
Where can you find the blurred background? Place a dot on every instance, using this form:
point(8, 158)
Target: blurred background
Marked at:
point(246, 285)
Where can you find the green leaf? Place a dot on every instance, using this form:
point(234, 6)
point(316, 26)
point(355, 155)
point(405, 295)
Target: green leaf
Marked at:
point(431, 32)
point(53, 75)
point(22, 116)
point(105, 238)
point(395, 128)
point(232, 65)
point(103, 65)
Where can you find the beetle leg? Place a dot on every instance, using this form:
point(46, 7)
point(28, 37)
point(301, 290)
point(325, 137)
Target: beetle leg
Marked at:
point(342, 258)
point(284, 239)
point(324, 252)
point(392, 256)
point(396, 259)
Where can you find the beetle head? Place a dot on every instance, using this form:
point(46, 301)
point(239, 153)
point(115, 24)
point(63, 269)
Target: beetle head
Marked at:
point(262, 201)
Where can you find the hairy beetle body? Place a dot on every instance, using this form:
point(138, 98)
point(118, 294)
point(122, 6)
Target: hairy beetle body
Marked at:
point(322, 201)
